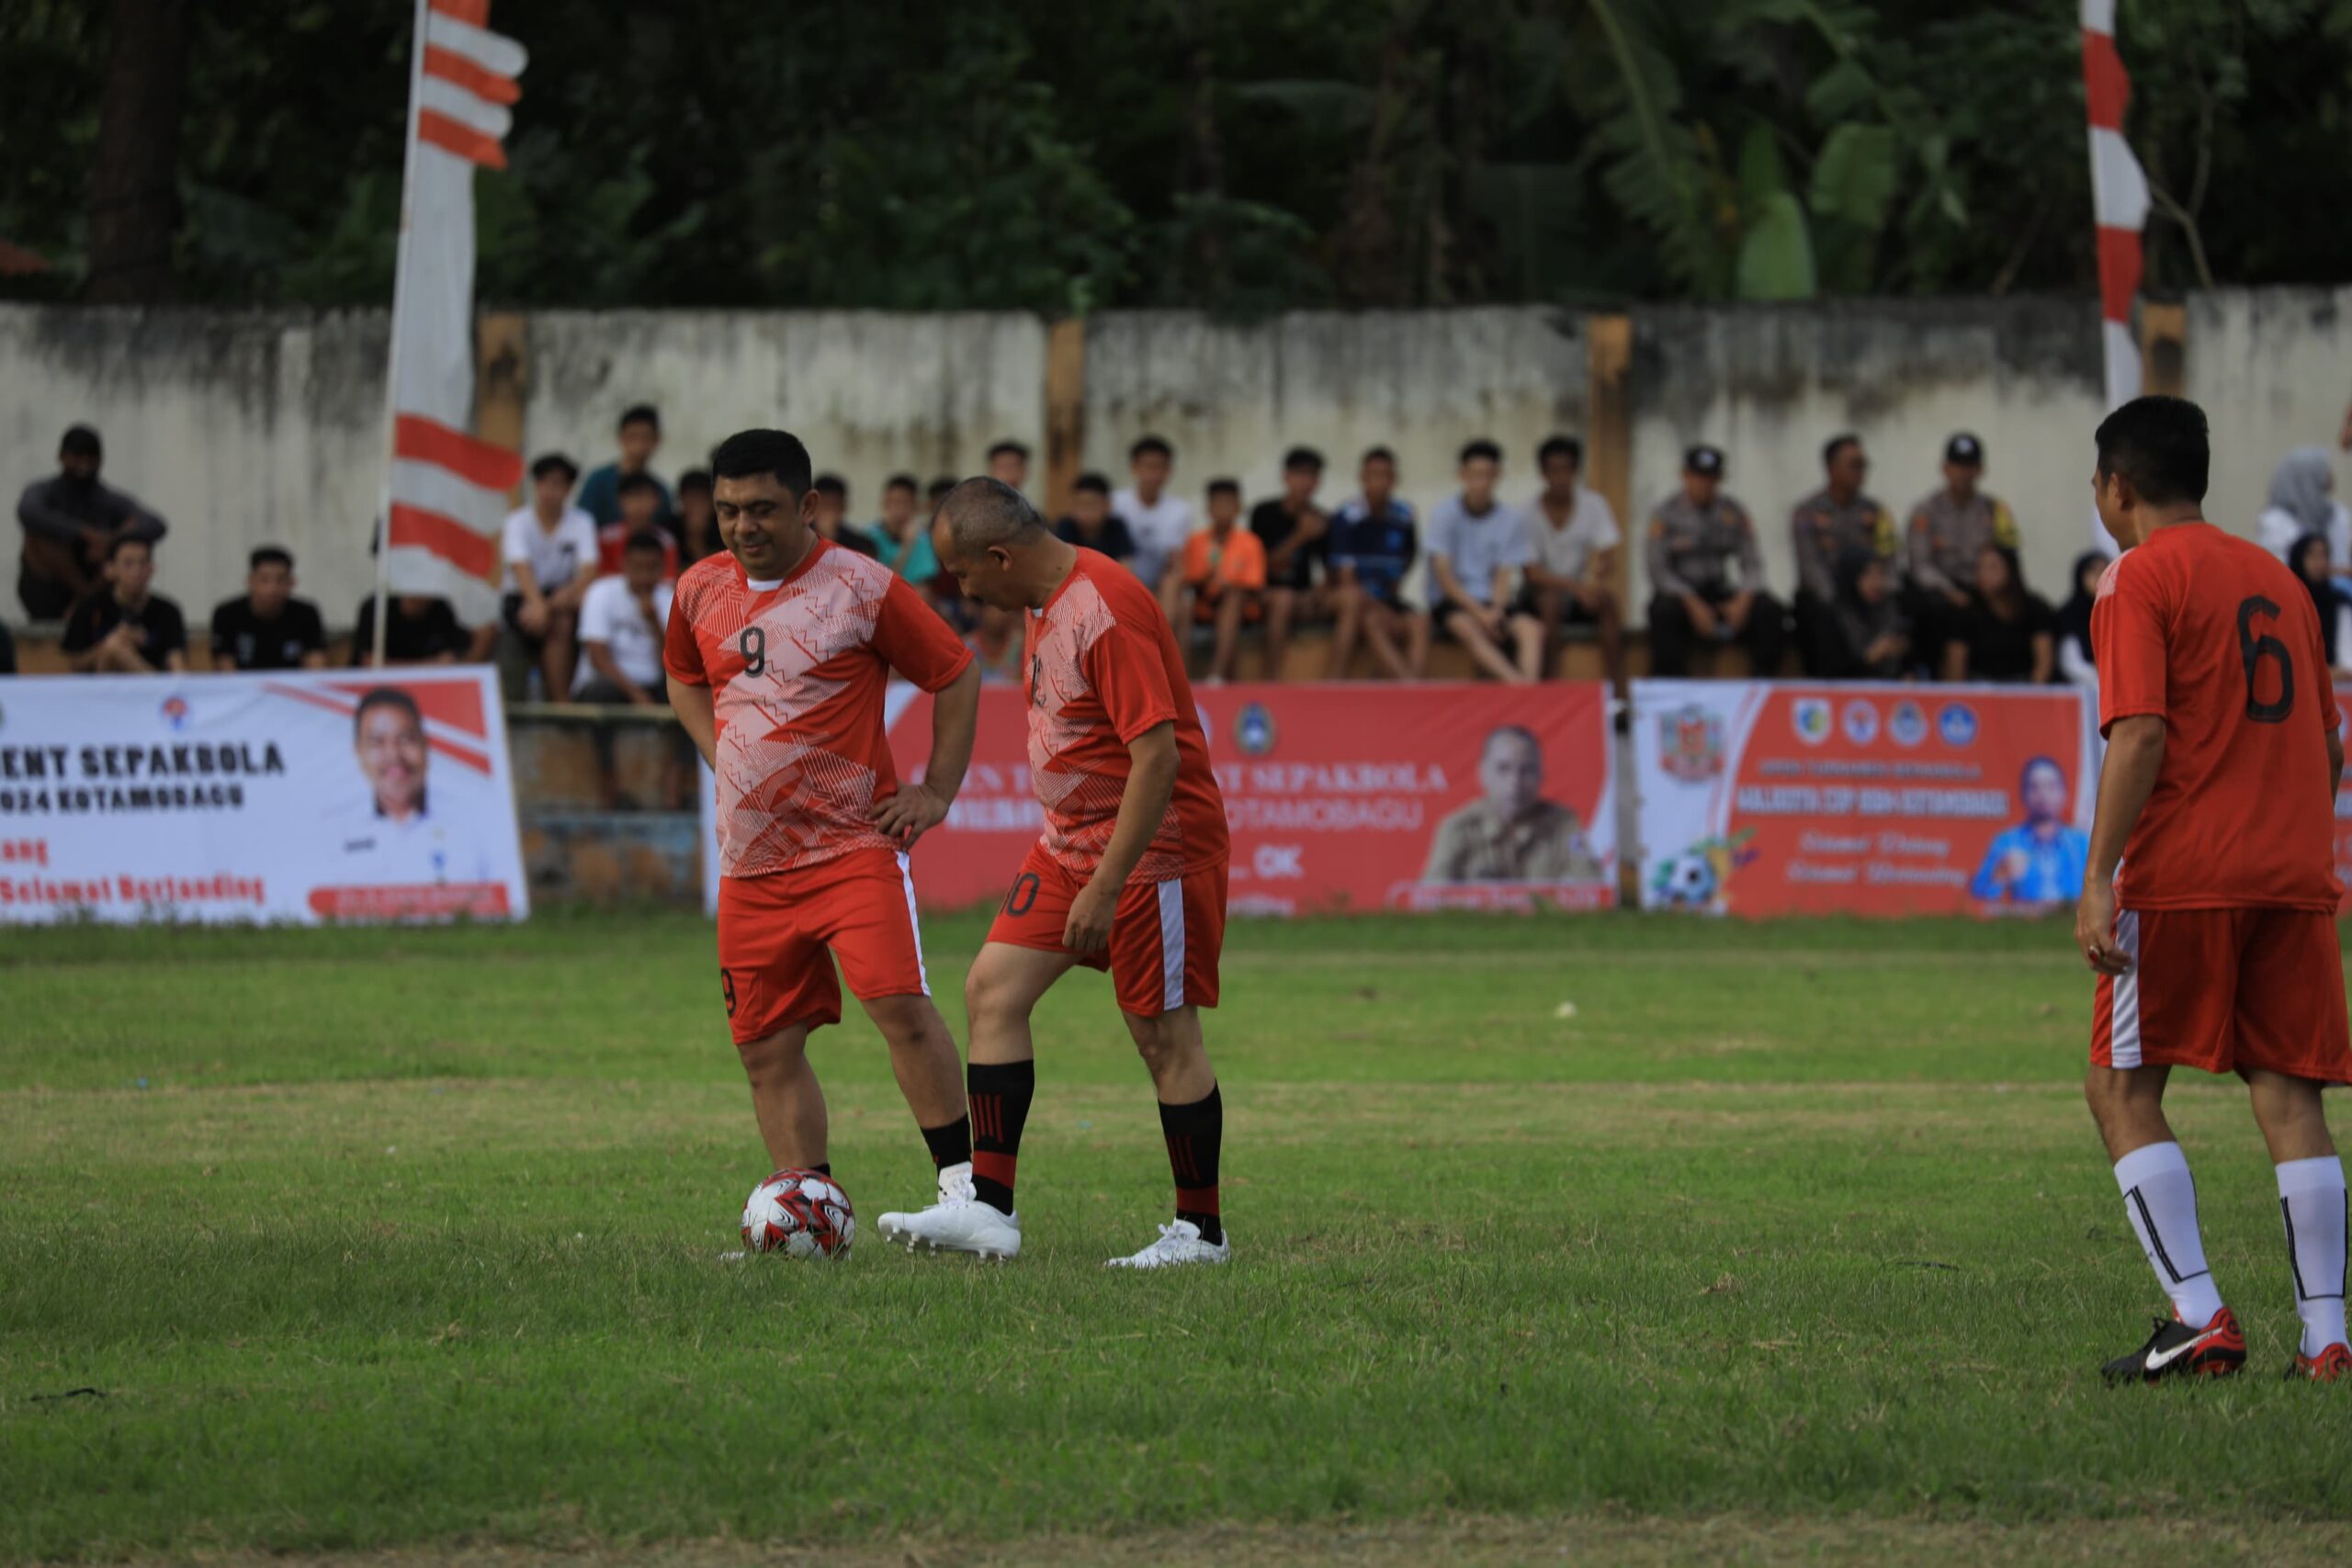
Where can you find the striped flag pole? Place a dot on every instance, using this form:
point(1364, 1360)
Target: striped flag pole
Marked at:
point(2120, 201)
point(443, 494)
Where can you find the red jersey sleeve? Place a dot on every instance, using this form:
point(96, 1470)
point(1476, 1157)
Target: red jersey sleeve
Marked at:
point(2128, 643)
point(1126, 670)
point(681, 649)
point(916, 641)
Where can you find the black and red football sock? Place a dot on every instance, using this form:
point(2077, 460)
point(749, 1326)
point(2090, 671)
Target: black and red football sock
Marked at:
point(1194, 1133)
point(950, 1145)
point(1000, 1093)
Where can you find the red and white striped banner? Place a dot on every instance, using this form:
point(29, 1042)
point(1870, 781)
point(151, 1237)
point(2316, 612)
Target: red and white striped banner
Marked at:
point(446, 491)
point(2119, 196)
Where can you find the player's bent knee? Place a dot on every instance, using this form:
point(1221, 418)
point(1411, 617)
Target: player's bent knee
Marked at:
point(772, 1055)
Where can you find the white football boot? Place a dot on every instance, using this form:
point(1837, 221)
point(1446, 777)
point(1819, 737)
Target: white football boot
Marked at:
point(957, 1222)
point(1179, 1243)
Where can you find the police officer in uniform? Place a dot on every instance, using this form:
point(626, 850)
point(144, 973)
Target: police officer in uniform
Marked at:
point(1825, 528)
point(1949, 530)
point(1694, 536)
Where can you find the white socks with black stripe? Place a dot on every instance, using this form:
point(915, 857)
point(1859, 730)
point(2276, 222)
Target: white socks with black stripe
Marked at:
point(2160, 1201)
point(2310, 1198)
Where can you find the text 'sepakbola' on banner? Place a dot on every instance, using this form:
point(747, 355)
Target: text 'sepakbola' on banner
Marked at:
point(297, 796)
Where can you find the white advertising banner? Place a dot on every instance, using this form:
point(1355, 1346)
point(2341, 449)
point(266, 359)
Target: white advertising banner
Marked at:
point(307, 795)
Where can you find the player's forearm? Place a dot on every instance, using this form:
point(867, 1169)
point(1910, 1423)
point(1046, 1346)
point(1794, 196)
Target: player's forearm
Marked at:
point(1151, 784)
point(693, 706)
point(955, 722)
point(2135, 752)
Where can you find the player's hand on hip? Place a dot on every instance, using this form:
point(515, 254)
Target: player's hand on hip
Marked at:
point(911, 812)
point(1090, 914)
point(2095, 930)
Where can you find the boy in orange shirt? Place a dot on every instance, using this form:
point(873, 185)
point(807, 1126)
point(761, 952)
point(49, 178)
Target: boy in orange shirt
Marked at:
point(1223, 576)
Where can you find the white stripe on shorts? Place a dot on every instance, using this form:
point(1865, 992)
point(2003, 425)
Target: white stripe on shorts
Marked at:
point(1171, 943)
point(2124, 1020)
point(914, 926)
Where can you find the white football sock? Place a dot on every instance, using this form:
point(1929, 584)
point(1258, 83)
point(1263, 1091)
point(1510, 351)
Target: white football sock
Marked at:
point(2160, 1201)
point(2311, 1196)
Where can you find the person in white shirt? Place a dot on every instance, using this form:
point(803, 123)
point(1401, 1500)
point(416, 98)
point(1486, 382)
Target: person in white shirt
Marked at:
point(550, 548)
point(1158, 522)
point(401, 835)
point(1571, 573)
point(1478, 548)
point(622, 626)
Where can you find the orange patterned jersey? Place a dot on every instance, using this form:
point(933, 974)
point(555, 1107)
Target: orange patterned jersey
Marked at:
point(1101, 668)
point(797, 670)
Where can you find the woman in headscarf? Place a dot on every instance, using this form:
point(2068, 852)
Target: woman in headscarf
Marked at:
point(2308, 556)
point(2009, 629)
point(2303, 501)
point(1868, 638)
point(2077, 666)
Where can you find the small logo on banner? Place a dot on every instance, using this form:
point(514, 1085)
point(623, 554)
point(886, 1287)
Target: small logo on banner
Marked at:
point(1253, 729)
point(1907, 725)
point(1861, 721)
point(175, 711)
point(1690, 743)
point(1810, 718)
point(1957, 725)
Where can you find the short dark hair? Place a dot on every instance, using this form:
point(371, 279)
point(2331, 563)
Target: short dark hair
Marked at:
point(937, 489)
point(81, 441)
point(639, 413)
point(1566, 447)
point(1302, 457)
point(643, 539)
point(124, 541)
point(548, 463)
point(1148, 445)
point(1378, 455)
point(829, 484)
point(1831, 448)
point(1007, 445)
point(2161, 446)
point(270, 555)
point(384, 697)
point(749, 453)
point(1090, 481)
point(1482, 447)
point(1225, 486)
point(632, 484)
point(694, 482)
point(900, 482)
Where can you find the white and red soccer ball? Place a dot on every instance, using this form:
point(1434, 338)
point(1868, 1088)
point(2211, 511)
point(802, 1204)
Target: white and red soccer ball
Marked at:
point(801, 1214)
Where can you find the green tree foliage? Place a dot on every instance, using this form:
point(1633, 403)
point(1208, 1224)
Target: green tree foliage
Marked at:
point(1244, 156)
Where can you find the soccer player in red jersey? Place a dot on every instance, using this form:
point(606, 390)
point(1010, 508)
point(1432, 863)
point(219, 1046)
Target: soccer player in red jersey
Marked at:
point(1130, 875)
point(2215, 942)
point(778, 652)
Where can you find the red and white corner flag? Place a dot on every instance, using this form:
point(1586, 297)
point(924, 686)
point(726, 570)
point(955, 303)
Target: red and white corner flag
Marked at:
point(445, 493)
point(2120, 196)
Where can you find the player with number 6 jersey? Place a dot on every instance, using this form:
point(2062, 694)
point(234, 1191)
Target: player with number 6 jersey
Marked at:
point(2208, 906)
point(778, 654)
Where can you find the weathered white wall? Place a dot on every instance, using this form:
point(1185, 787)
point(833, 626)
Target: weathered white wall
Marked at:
point(2273, 370)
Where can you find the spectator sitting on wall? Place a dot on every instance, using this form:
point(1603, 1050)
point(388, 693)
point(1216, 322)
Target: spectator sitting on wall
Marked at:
point(1694, 536)
point(1822, 527)
point(1870, 638)
point(1296, 534)
point(120, 628)
point(697, 523)
point(1373, 545)
point(832, 522)
point(1572, 543)
point(1222, 580)
point(901, 541)
point(2077, 665)
point(2303, 500)
point(1511, 833)
point(550, 554)
point(996, 644)
point(418, 629)
point(1158, 522)
point(1947, 531)
point(936, 492)
point(71, 521)
point(622, 623)
point(2310, 557)
point(268, 628)
point(640, 513)
point(1091, 525)
point(2010, 635)
point(641, 435)
point(1009, 465)
point(1477, 546)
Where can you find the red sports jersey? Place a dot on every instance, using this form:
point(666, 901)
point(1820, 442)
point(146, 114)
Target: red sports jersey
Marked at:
point(2214, 635)
point(611, 550)
point(1103, 668)
point(798, 669)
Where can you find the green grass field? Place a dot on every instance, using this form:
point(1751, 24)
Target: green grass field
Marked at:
point(1781, 1243)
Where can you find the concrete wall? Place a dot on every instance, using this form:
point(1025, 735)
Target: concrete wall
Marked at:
point(246, 427)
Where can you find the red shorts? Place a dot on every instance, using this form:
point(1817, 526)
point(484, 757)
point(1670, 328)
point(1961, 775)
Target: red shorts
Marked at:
point(1165, 938)
point(778, 935)
point(2226, 990)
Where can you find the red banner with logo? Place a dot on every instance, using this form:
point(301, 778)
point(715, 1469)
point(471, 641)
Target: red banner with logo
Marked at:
point(1349, 797)
point(1771, 799)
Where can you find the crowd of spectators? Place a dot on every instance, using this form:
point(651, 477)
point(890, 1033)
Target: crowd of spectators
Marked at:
point(1939, 595)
